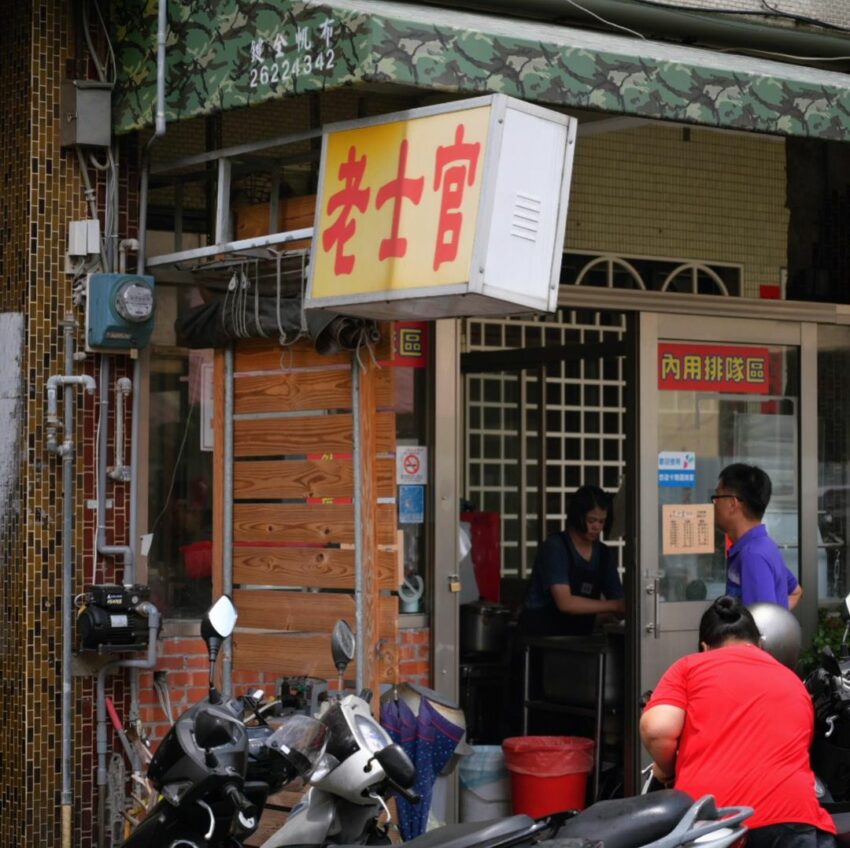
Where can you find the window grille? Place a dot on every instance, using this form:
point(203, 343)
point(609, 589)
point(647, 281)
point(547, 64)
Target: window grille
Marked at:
point(583, 401)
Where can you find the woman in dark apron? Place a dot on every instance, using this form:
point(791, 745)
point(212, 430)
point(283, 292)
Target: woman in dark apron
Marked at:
point(575, 574)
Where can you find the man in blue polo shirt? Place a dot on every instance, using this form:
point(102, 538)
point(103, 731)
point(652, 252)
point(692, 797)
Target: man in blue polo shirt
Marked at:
point(755, 569)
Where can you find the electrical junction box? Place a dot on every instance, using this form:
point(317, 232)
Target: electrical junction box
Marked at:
point(86, 113)
point(84, 238)
point(119, 311)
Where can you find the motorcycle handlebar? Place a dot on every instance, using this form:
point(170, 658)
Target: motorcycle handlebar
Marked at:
point(242, 804)
point(409, 795)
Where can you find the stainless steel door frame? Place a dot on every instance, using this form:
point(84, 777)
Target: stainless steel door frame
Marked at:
point(656, 652)
point(446, 464)
point(445, 627)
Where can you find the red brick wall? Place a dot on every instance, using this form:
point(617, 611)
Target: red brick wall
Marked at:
point(185, 662)
point(415, 658)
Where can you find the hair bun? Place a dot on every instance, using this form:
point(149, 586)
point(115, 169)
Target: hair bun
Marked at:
point(727, 608)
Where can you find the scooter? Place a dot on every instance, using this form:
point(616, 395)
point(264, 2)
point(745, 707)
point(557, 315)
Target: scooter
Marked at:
point(361, 766)
point(829, 686)
point(213, 772)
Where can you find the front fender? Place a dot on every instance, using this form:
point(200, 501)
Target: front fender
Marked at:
point(308, 823)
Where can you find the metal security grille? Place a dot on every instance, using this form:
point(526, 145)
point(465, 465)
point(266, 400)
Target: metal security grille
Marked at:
point(582, 426)
point(582, 417)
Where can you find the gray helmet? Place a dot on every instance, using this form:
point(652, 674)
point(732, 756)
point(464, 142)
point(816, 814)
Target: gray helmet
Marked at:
point(781, 635)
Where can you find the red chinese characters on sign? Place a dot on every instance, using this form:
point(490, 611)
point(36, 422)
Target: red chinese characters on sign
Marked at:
point(713, 368)
point(453, 178)
point(453, 169)
point(350, 197)
point(400, 188)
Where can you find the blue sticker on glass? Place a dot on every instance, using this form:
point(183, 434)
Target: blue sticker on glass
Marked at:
point(677, 469)
point(411, 504)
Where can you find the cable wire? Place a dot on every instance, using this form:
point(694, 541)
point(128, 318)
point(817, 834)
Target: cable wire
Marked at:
point(176, 469)
point(108, 44)
point(772, 12)
point(803, 19)
point(784, 55)
point(604, 21)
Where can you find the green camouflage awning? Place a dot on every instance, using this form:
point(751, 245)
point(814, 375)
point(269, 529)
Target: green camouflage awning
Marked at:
point(223, 54)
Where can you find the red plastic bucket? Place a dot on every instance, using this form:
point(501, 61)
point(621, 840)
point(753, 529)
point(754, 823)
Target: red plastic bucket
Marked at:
point(548, 773)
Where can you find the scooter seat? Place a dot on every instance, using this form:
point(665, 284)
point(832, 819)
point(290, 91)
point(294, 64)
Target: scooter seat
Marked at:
point(842, 827)
point(628, 822)
point(468, 834)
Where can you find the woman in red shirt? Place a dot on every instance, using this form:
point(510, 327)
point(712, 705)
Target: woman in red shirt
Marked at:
point(733, 722)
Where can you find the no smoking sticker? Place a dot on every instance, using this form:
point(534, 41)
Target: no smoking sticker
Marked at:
point(411, 465)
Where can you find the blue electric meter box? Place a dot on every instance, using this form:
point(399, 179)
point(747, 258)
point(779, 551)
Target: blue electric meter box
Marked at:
point(119, 311)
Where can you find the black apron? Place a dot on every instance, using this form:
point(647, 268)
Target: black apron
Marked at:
point(585, 582)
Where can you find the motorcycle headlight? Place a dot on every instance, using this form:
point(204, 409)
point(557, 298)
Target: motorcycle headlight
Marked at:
point(374, 737)
point(301, 741)
point(326, 765)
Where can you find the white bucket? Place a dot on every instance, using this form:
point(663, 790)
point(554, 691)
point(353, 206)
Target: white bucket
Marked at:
point(485, 784)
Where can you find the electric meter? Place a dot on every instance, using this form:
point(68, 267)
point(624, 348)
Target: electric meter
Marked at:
point(134, 301)
point(119, 311)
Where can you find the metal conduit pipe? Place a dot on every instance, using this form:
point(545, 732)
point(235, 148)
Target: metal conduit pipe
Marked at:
point(162, 23)
point(127, 552)
point(159, 131)
point(143, 215)
point(67, 584)
point(140, 245)
point(91, 198)
point(360, 648)
point(130, 572)
point(150, 610)
point(120, 472)
point(135, 427)
point(67, 452)
point(227, 534)
point(53, 384)
point(689, 27)
point(123, 246)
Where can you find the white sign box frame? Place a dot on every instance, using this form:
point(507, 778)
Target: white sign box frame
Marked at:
point(519, 228)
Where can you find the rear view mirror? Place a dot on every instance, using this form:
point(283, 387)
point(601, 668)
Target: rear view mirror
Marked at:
point(220, 620)
point(217, 625)
point(342, 645)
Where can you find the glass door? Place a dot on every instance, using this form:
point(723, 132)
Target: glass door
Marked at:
point(713, 392)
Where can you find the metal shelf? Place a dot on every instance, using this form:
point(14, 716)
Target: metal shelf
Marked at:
point(566, 709)
point(597, 713)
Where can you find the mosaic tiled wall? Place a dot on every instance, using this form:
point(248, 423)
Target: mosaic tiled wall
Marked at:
point(40, 192)
point(14, 172)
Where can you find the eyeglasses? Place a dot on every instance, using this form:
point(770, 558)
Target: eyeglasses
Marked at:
point(715, 498)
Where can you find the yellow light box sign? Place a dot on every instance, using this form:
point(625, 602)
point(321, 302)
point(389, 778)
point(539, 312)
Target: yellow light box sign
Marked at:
point(407, 205)
point(400, 204)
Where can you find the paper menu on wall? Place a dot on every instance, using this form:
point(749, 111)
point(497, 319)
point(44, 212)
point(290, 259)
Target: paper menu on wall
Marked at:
point(687, 529)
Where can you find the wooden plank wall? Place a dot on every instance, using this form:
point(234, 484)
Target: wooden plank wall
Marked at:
point(293, 512)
